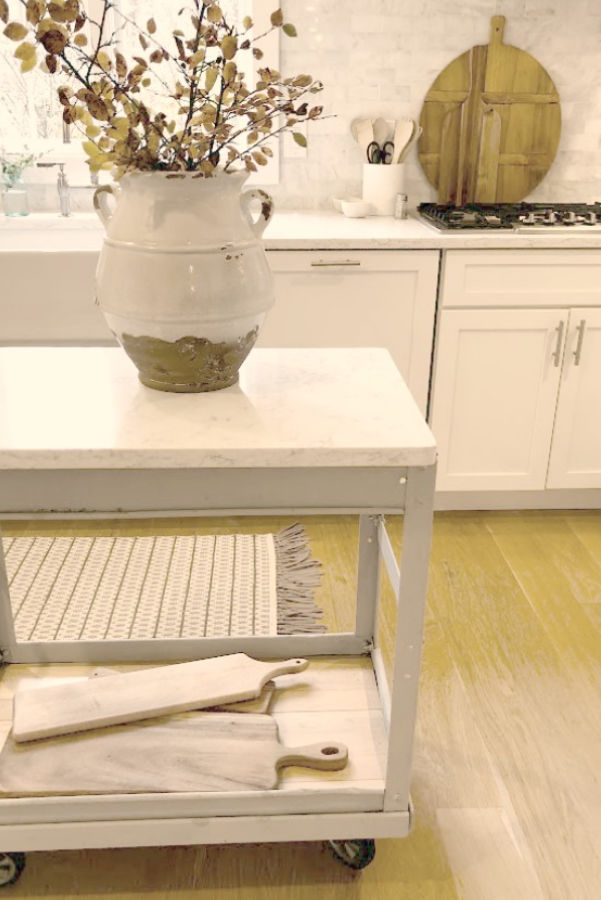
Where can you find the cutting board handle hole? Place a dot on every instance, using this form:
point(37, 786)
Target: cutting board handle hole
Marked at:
point(329, 751)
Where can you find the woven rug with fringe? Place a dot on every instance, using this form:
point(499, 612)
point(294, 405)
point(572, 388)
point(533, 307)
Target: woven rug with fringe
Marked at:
point(176, 586)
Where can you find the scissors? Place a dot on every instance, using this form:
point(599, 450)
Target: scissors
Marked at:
point(380, 154)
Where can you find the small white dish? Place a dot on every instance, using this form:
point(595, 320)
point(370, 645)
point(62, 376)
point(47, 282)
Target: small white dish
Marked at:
point(355, 208)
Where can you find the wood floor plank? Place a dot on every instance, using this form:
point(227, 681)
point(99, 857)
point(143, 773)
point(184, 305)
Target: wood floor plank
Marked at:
point(557, 576)
point(484, 857)
point(557, 542)
point(512, 673)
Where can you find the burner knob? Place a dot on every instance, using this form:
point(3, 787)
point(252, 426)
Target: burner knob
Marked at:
point(550, 218)
point(590, 218)
point(569, 218)
point(528, 219)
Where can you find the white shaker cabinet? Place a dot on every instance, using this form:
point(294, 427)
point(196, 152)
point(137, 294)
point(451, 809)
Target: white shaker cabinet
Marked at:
point(494, 399)
point(357, 298)
point(517, 370)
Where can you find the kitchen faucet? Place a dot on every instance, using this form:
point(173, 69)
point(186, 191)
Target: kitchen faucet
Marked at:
point(62, 186)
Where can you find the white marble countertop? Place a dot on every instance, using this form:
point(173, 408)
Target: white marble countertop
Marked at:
point(82, 408)
point(304, 230)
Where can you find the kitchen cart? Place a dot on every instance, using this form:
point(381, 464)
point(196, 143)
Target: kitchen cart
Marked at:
point(305, 432)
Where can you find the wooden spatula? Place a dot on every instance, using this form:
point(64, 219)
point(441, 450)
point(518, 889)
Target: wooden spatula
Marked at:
point(403, 130)
point(133, 696)
point(195, 752)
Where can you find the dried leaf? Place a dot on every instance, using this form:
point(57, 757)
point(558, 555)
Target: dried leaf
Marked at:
point(25, 51)
point(196, 58)
point(80, 40)
point(120, 65)
point(143, 42)
point(210, 77)
point(51, 63)
point(53, 41)
point(229, 46)
point(247, 22)
point(103, 60)
point(289, 30)
point(214, 14)
point(151, 26)
point(230, 71)
point(34, 10)
point(62, 13)
point(300, 138)
point(277, 18)
point(28, 63)
point(15, 31)
point(4, 10)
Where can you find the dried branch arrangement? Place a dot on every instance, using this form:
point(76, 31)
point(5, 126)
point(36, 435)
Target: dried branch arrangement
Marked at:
point(181, 105)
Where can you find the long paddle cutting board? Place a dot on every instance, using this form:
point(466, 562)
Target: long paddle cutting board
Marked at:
point(133, 696)
point(196, 752)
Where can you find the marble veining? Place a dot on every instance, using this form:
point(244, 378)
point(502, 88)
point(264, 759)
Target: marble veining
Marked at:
point(80, 408)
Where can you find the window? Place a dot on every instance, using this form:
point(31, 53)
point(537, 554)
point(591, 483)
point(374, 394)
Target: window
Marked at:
point(30, 114)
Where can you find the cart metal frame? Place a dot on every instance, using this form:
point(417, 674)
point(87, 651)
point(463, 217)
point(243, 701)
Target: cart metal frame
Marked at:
point(368, 489)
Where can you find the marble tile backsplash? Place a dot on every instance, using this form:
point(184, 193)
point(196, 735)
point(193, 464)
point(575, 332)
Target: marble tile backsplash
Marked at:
point(379, 59)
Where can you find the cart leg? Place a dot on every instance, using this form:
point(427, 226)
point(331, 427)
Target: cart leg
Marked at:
point(356, 853)
point(7, 626)
point(11, 867)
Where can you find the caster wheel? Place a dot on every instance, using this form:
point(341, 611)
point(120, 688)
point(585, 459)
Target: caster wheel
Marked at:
point(356, 854)
point(11, 867)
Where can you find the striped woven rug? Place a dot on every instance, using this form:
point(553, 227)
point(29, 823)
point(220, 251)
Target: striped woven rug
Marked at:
point(176, 586)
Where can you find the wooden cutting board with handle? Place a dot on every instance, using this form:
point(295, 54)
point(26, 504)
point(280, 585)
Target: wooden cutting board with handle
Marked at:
point(146, 693)
point(195, 752)
point(491, 124)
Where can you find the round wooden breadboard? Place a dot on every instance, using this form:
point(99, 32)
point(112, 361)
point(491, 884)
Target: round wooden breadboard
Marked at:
point(491, 124)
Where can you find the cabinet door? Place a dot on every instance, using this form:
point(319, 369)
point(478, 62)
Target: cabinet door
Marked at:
point(495, 388)
point(350, 298)
point(576, 448)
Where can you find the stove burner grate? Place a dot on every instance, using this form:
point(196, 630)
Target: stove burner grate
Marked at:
point(510, 215)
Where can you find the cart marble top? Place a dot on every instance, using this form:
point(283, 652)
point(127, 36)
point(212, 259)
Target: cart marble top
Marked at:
point(83, 407)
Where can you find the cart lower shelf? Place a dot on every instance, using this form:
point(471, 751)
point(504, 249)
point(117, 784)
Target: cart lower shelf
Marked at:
point(334, 699)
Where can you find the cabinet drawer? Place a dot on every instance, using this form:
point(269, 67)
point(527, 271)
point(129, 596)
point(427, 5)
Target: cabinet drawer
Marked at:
point(521, 278)
point(367, 298)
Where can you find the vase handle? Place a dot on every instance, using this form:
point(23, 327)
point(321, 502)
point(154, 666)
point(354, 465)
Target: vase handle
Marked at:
point(101, 196)
point(258, 225)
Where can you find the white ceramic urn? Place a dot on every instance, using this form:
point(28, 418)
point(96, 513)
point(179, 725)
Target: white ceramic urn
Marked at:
point(183, 278)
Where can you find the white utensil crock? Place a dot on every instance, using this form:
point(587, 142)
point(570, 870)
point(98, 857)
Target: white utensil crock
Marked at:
point(183, 278)
point(381, 184)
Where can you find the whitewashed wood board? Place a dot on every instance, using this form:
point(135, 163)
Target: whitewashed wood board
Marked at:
point(260, 704)
point(146, 693)
point(194, 752)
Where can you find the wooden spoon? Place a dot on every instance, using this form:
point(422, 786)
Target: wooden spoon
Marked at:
point(402, 135)
point(365, 135)
point(381, 131)
point(417, 131)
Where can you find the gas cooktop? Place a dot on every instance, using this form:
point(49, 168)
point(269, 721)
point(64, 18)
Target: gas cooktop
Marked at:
point(516, 216)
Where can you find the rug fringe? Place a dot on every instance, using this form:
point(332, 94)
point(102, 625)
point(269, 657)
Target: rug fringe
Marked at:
point(297, 575)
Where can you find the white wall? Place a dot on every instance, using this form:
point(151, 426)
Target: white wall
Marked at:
point(379, 58)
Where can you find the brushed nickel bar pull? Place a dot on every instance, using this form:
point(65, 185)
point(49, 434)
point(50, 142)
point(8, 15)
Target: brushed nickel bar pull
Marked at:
point(557, 352)
point(578, 351)
point(342, 262)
